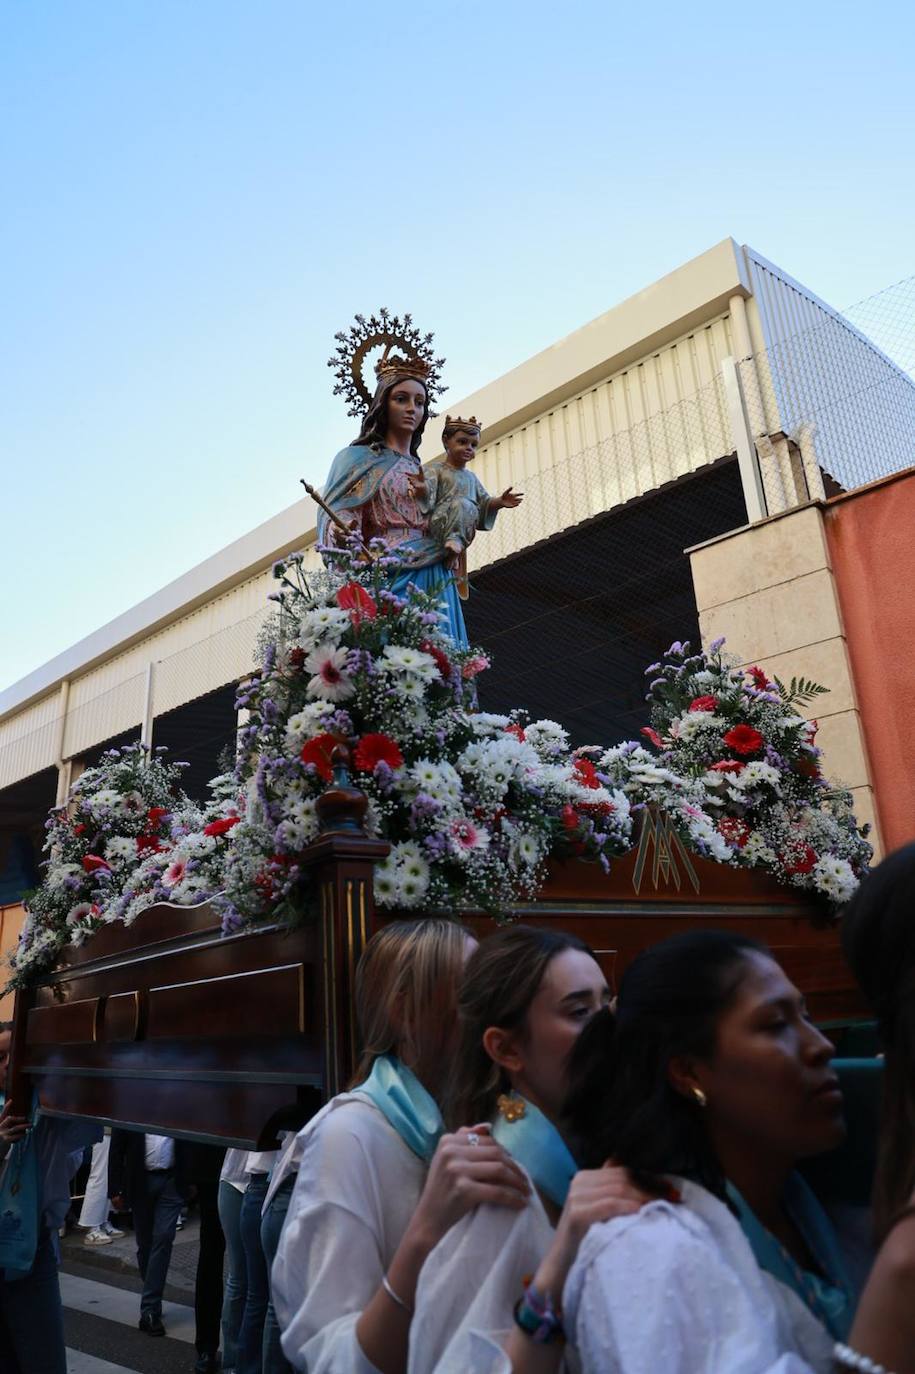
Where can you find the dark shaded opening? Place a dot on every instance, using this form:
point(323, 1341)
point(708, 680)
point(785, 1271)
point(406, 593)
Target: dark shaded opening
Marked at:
point(24, 809)
point(572, 623)
point(199, 733)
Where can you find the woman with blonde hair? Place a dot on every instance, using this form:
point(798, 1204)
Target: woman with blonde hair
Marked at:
point(379, 1184)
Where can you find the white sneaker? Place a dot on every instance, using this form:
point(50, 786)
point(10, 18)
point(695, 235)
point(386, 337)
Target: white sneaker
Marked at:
point(97, 1237)
point(111, 1231)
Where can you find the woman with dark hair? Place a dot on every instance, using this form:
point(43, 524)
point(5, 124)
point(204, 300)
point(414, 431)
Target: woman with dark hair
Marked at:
point(375, 488)
point(711, 1076)
point(526, 995)
point(378, 1184)
point(878, 935)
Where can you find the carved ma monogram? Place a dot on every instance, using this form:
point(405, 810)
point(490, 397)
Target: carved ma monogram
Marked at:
point(662, 856)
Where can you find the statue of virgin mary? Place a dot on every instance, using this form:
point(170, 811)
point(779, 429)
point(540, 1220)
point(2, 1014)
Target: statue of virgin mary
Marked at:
point(372, 484)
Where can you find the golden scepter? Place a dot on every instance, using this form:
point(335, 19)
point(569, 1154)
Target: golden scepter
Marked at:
point(348, 530)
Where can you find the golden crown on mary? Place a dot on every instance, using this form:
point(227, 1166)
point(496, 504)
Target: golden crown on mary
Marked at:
point(414, 358)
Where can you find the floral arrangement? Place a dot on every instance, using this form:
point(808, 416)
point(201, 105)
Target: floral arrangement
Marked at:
point(472, 803)
point(738, 769)
point(117, 817)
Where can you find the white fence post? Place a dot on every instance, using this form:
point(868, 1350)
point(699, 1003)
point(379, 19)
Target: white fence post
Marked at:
point(747, 457)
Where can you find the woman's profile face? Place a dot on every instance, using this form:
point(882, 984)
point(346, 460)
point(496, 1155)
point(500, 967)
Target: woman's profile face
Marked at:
point(769, 1085)
point(406, 407)
point(571, 991)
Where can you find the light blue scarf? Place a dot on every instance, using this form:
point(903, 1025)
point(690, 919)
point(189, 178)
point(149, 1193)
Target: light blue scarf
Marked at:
point(538, 1147)
point(405, 1103)
point(830, 1299)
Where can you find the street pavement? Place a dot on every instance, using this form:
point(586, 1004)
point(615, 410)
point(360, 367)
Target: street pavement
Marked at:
point(100, 1289)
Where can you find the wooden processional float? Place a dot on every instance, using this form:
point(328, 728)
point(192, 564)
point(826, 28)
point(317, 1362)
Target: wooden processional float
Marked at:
point(168, 1027)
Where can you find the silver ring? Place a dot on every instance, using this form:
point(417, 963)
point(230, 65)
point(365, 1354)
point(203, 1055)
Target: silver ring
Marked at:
point(472, 1138)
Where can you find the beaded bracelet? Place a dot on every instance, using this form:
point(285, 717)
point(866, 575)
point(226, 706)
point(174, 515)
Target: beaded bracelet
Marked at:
point(850, 1359)
point(537, 1317)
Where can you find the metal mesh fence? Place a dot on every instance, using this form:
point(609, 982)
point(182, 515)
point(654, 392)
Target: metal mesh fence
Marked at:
point(837, 398)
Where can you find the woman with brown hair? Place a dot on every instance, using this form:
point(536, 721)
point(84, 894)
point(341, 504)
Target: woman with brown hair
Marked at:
point(878, 935)
point(526, 995)
point(378, 1183)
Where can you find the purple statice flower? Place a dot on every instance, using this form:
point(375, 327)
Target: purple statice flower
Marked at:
point(428, 617)
point(436, 846)
point(774, 758)
point(232, 920)
point(384, 776)
point(677, 650)
point(269, 657)
point(653, 668)
point(656, 682)
point(340, 723)
point(716, 645)
point(424, 807)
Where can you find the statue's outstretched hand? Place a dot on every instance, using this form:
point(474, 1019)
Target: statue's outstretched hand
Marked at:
point(509, 499)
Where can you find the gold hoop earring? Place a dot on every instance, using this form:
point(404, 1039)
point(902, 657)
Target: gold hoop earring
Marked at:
point(700, 1097)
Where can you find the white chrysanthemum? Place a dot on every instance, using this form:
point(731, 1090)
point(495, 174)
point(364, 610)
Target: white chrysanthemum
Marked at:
point(756, 851)
point(687, 726)
point(385, 885)
point(411, 687)
point(58, 876)
point(486, 723)
point(105, 799)
point(120, 849)
point(703, 678)
point(322, 623)
point(197, 845)
point(400, 658)
point(754, 774)
point(547, 737)
point(835, 877)
point(305, 723)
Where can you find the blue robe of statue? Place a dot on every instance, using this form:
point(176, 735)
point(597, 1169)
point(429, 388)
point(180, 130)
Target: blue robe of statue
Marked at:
point(369, 489)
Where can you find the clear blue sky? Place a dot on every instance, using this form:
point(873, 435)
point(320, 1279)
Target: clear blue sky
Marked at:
point(198, 193)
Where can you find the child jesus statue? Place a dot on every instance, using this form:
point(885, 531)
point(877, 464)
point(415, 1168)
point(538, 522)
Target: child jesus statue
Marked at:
point(458, 503)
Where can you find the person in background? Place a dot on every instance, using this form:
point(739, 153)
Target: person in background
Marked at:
point(204, 1167)
point(233, 1180)
point(378, 1183)
point(31, 1313)
point(6, 1036)
point(152, 1173)
point(878, 936)
point(94, 1214)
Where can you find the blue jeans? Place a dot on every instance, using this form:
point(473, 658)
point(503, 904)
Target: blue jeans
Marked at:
point(274, 1361)
point(251, 1335)
point(31, 1317)
point(155, 1220)
point(236, 1282)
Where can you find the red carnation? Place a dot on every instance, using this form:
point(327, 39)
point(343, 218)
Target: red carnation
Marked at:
point(442, 661)
point(570, 817)
point(743, 739)
point(728, 766)
point(595, 809)
point(222, 826)
point(93, 864)
point(704, 704)
point(317, 751)
point(807, 766)
point(355, 599)
point(801, 860)
point(759, 679)
point(735, 831)
point(517, 731)
point(374, 749)
point(297, 656)
point(148, 844)
point(79, 829)
point(586, 773)
point(652, 735)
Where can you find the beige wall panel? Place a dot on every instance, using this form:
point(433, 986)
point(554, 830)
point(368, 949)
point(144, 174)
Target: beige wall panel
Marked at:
point(28, 740)
point(825, 662)
point(776, 620)
point(645, 426)
point(110, 713)
point(765, 555)
point(844, 756)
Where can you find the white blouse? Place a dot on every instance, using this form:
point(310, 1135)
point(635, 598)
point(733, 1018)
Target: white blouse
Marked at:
point(357, 1188)
point(472, 1280)
point(676, 1288)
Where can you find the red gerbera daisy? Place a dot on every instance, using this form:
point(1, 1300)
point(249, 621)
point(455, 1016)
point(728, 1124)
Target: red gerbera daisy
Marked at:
point(373, 749)
point(759, 678)
point(93, 864)
point(222, 826)
point(728, 766)
point(586, 773)
point(317, 751)
point(743, 739)
point(148, 844)
point(704, 704)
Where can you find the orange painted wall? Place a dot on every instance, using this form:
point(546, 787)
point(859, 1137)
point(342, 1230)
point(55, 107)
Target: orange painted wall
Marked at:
point(871, 534)
point(11, 919)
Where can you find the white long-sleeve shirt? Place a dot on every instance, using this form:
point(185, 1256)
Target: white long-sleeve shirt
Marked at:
point(676, 1288)
point(357, 1188)
point(472, 1280)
